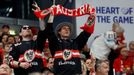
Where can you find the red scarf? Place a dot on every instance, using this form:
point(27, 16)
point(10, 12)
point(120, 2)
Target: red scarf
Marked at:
point(60, 10)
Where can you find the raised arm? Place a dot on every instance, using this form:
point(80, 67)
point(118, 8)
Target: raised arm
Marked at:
point(37, 10)
point(46, 29)
point(51, 35)
point(88, 29)
point(41, 21)
point(51, 18)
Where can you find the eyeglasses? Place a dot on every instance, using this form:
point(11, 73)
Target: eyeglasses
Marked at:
point(26, 28)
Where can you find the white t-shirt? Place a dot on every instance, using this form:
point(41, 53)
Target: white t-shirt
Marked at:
point(101, 47)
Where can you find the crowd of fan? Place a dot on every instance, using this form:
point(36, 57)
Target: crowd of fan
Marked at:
point(120, 60)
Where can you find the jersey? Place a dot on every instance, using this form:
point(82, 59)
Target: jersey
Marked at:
point(28, 51)
point(66, 52)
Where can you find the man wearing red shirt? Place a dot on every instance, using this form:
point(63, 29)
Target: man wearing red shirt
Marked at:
point(122, 64)
point(131, 54)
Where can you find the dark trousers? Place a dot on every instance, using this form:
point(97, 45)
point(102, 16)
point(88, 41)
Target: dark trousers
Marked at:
point(112, 56)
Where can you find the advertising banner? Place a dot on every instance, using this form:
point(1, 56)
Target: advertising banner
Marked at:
point(108, 12)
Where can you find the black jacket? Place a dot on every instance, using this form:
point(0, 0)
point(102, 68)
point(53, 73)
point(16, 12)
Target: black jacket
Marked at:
point(69, 62)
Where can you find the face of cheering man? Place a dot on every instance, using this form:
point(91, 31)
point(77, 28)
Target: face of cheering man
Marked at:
point(26, 31)
point(64, 32)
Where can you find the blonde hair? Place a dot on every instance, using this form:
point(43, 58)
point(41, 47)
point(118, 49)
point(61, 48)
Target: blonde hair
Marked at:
point(119, 29)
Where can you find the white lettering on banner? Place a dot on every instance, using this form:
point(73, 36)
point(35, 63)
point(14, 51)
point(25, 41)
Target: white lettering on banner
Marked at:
point(59, 10)
point(70, 12)
point(67, 62)
point(76, 11)
point(82, 10)
point(86, 9)
point(64, 11)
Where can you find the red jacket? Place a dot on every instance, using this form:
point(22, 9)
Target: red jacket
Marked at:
point(131, 55)
point(121, 39)
point(1, 55)
point(119, 64)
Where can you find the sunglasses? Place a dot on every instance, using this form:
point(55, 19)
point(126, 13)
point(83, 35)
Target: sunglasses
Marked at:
point(26, 28)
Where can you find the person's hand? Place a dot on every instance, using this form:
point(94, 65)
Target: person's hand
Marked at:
point(90, 24)
point(41, 14)
point(36, 7)
point(25, 65)
point(122, 45)
point(91, 19)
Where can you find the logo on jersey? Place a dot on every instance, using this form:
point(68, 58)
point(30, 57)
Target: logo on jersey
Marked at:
point(67, 54)
point(29, 55)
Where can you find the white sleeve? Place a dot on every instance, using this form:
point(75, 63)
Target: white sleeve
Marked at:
point(111, 44)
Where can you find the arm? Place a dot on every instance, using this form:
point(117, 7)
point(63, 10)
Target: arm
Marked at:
point(121, 46)
point(52, 38)
point(42, 34)
point(45, 31)
point(41, 38)
point(13, 59)
point(41, 21)
point(113, 45)
point(84, 37)
point(42, 24)
point(88, 29)
point(51, 18)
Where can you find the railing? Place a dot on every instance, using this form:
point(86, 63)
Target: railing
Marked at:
point(15, 21)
